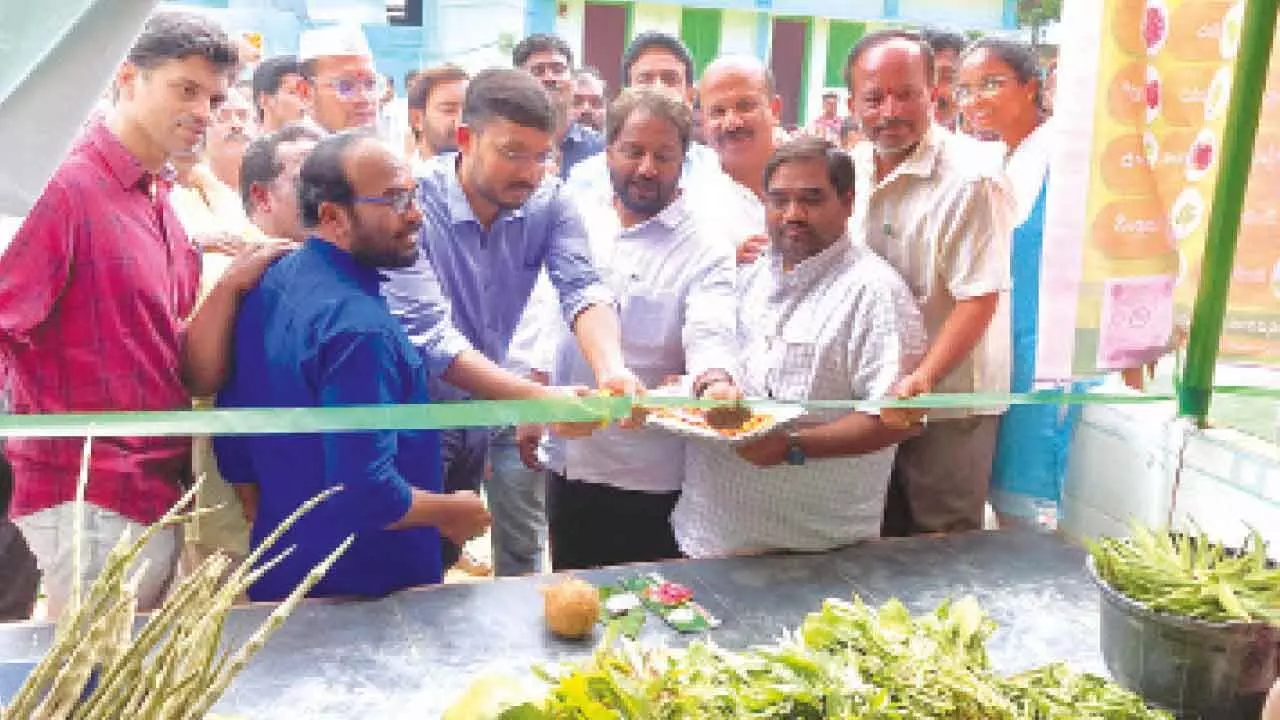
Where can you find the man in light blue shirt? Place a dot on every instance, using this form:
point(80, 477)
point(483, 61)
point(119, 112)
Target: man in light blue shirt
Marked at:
point(491, 222)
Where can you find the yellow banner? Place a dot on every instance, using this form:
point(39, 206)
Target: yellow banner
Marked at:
point(1163, 83)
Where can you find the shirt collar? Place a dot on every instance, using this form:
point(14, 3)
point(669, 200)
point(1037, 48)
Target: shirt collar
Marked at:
point(345, 263)
point(460, 210)
point(123, 165)
point(921, 162)
point(812, 269)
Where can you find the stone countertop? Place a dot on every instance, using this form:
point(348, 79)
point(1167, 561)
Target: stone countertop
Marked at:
point(408, 655)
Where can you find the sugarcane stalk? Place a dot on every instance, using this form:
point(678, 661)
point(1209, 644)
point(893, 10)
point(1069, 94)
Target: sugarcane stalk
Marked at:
point(77, 522)
point(264, 631)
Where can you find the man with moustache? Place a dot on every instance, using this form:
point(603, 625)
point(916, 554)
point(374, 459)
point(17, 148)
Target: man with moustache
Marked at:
point(741, 111)
point(611, 494)
point(341, 86)
point(661, 62)
point(937, 207)
point(946, 47)
point(228, 135)
point(588, 99)
point(549, 59)
point(491, 224)
point(819, 318)
point(435, 109)
point(317, 333)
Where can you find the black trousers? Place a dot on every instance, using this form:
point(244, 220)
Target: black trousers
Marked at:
point(593, 525)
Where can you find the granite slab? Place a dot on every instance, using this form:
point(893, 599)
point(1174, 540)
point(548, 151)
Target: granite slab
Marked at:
point(408, 655)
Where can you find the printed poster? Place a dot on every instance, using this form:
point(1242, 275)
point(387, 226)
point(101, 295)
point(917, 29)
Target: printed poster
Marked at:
point(1156, 77)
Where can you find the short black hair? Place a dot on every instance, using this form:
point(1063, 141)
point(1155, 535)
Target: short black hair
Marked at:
point(270, 75)
point(428, 80)
point(261, 161)
point(873, 40)
point(540, 42)
point(1020, 58)
point(940, 40)
point(323, 179)
point(513, 95)
point(177, 35)
point(654, 40)
point(839, 164)
point(632, 100)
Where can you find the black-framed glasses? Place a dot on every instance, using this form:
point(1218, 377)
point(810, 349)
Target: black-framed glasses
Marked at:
point(398, 200)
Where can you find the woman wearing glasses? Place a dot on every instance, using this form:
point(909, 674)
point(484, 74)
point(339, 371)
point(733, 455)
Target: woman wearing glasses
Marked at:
point(999, 93)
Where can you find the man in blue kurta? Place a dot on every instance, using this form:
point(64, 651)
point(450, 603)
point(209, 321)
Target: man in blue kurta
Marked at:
point(316, 333)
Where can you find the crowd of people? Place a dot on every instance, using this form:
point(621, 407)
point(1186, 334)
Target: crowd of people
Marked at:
point(512, 234)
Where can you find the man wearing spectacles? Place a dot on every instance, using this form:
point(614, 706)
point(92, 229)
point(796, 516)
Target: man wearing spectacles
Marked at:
point(491, 224)
point(549, 59)
point(317, 333)
point(342, 87)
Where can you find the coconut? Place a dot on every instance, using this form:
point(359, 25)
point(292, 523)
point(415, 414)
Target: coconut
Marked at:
point(571, 607)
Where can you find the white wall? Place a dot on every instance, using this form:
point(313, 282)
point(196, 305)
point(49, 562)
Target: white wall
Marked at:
point(650, 16)
point(470, 30)
point(1128, 463)
point(570, 25)
point(738, 33)
point(817, 70)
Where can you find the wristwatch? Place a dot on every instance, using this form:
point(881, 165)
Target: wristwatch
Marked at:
point(795, 453)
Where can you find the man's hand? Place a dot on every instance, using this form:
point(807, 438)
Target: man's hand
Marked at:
point(575, 429)
point(900, 418)
point(766, 451)
point(246, 269)
point(733, 413)
point(528, 438)
point(463, 518)
point(623, 383)
point(224, 243)
point(751, 248)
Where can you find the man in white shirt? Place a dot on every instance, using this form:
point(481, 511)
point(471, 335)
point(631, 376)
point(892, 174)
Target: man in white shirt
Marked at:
point(660, 62)
point(741, 109)
point(819, 319)
point(611, 495)
point(938, 209)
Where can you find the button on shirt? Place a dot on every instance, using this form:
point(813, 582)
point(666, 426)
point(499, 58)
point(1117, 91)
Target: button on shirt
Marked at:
point(93, 292)
point(469, 285)
point(316, 333)
point(839, 326)
point(944, 220)
point(675, 284)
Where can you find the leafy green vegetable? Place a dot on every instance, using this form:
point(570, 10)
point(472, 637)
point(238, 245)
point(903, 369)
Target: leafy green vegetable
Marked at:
point(846, 661)
point(1192, 575)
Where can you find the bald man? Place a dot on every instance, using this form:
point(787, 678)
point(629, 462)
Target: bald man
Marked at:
point(940, 211)
point(740, 110)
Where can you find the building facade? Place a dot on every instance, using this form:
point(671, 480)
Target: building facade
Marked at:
point(805, 42)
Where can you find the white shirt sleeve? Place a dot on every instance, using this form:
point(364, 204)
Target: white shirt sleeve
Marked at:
point(977, 229)
point(710, 327)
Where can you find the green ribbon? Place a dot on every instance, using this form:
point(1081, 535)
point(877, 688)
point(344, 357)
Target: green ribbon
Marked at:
point(496, 413)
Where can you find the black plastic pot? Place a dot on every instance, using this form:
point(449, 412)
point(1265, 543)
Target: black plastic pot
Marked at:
point(1194, 668)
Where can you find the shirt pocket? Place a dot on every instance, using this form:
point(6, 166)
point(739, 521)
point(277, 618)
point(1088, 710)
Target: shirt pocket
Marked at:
point(792, 374)
point(649, 319)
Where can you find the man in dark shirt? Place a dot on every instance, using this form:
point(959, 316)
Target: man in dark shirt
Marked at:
point(317, 333)
point(549, 59)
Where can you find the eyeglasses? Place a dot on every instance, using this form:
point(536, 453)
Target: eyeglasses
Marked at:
point(399, 200)
point(990, 85)
point(349, 88)
point(523, 157)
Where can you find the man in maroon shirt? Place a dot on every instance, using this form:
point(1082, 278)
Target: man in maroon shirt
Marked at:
point(94, 291)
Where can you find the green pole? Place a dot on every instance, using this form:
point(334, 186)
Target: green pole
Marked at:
point(1256, 37)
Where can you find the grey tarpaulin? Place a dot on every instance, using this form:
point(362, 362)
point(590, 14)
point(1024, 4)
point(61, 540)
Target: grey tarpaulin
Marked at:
point(55, 60)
